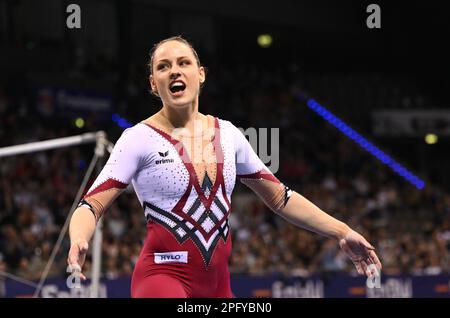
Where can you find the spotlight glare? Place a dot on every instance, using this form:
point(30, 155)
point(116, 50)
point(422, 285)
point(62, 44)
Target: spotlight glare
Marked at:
point(431, 139)
point(79, 122)
point(264, 40)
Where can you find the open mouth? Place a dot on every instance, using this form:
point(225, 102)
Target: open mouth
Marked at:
point(177, 86)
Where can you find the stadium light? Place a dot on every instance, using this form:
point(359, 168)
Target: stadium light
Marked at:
point(79, 122)
point(431, 139)
point(122, 122)
point(264, 40)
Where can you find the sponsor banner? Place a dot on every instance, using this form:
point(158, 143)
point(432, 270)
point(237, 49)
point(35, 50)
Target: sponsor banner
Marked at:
point(51, 101)
point(58, 288)
point(411, 122)
point(342, 286)
point(246, 286)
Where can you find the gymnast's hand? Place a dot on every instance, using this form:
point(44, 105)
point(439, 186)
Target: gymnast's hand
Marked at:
point(361, 253)
point(77, 256)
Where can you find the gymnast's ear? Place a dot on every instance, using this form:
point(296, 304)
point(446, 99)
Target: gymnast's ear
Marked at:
point(153, 87)
point(202, 75)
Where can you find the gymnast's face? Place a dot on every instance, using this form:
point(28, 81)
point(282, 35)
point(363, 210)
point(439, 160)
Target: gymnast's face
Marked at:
point(176, 75)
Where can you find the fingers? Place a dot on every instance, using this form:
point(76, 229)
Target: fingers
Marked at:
point(76, 257)
point(369, 268)
point(75, 269)
point(362, 254)
point(364, 267)
point(72, 259)
point(358, 267)
point(370, 258)
point(82, 276)
point(368, 265)
point(371, 265)
point(375, 259)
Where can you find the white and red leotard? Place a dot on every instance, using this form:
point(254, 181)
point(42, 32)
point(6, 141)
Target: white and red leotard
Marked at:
point(188, 243)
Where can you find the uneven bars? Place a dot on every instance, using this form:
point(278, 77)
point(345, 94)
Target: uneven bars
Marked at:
point(50, 144)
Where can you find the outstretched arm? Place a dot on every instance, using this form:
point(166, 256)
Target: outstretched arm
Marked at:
point(300, 211)
point(297, 209)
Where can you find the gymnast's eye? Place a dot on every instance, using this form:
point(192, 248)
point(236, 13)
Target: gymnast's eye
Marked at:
point(161, 66)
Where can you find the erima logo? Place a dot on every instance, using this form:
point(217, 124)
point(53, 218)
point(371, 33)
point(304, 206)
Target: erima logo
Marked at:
point(171, 257)
point(164, 154)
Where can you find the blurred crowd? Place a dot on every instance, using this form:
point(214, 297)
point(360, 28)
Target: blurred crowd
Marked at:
point(410, 228)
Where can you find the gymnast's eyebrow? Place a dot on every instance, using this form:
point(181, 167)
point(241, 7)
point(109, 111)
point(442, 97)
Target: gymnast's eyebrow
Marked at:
point(167, 60)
